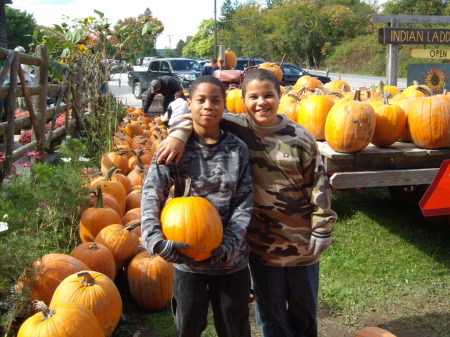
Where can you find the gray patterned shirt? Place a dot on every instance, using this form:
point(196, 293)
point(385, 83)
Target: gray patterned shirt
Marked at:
point(219, 173)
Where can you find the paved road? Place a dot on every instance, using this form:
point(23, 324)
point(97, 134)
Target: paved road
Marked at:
point(119, 85)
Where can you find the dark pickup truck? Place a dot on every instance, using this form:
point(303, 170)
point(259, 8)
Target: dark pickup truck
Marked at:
point(185, 70)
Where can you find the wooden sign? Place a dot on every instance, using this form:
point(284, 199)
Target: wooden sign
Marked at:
point(434, 75)
point(413, 36)
point(430, 53)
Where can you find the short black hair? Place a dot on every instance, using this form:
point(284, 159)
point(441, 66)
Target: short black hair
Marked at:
point(207, 79)
point(260, 75)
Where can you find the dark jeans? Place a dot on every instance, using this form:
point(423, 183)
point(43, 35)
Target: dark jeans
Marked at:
point(229, 300)
point(286, 300)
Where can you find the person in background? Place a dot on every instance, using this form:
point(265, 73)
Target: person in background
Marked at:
point(210, 68)
point(217, 163)
point(292, 216)
point(176, 108)
point(164, 85)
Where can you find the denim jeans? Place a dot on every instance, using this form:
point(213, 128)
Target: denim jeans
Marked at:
point(286, 300)
point(228, 294)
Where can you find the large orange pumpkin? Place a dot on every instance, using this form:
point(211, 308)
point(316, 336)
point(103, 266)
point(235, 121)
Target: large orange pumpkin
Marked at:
point(64, 320)
point(429, 122)
point(49, 272)
point(350, 125)
point(95, 291)
point(274, 68)
point(308, 82)
point(313, 114)
point(390, 124)
point(150, 281)
point(94, 219)
point(235, 103)
point(194, 221)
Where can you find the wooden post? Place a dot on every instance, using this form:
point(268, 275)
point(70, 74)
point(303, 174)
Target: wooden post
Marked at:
point(40, 101)
point(10, 115)
point(77, 92)
point(392, 61)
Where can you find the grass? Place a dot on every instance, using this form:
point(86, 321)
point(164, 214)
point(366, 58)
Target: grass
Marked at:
point(387, 259)
point(387, 265)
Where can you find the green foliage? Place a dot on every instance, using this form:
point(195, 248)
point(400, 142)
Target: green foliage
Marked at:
point(413, 7)
point(361, 55)
point(19, 27)
point(202, 43)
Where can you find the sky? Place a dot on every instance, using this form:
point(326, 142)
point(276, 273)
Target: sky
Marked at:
point(179, 17)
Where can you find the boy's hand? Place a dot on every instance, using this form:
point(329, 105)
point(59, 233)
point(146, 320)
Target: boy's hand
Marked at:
point(217, 254)
point(169, 149)
point(319, 242)
point(168, 251)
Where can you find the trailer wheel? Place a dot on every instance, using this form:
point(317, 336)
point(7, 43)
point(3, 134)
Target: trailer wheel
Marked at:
point(137, 90)
point(408, 195)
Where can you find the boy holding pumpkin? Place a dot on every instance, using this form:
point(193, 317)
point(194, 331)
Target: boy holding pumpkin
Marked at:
point(292, 217)
point(217, 164)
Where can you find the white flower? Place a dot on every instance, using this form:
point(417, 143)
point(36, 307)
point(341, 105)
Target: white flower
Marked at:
point(3, 226)
point(66, 160)
point(83, 159)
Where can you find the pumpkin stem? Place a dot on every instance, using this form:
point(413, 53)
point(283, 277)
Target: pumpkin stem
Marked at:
point(187, 190)
point(133, 226)
point(93, 246)
point(357, 96)
point(46, 312)
point(99, 203)
point(110, 172)
point(88, 280)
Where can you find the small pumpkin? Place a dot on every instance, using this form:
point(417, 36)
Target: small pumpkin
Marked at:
point(235, 103)
point(373, 332)
point(122, 243)
point(97, 257)
point(150, 281)
point(274, 68)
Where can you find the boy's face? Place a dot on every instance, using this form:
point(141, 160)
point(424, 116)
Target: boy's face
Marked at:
point(261, 101)
point(207, 105)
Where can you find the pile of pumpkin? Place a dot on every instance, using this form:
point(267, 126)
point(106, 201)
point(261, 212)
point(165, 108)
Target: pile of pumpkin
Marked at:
point(349, 121)
point(79, 288)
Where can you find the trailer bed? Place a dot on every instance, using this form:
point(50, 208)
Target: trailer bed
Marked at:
point(399, 164)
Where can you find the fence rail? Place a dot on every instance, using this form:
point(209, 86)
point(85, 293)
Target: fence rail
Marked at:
point(35, 95)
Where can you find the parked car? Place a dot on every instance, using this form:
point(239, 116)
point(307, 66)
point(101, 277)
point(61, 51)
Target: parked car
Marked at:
point(184, 70)
point(291, 73)
point(247, 62)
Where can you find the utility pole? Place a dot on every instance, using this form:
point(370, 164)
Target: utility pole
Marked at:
point(170, 41)
point(215, 29)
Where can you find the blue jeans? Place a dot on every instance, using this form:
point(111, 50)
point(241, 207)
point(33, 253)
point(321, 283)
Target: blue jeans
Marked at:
point(286, 300)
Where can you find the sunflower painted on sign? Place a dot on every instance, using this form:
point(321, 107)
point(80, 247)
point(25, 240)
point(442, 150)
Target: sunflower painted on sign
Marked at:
point(435, 79)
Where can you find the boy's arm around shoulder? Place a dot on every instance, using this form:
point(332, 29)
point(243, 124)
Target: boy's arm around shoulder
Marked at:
point(241, 207)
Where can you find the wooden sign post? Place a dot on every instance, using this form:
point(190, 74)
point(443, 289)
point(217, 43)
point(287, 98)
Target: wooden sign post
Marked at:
point(393, 22)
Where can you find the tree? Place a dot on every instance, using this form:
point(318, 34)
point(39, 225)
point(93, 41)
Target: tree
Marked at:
point(202, 43)
point(19, 26)
point(178, 51)
point(414, 7)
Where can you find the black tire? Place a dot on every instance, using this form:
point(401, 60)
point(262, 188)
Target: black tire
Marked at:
point(137, 90)
point(408, 195)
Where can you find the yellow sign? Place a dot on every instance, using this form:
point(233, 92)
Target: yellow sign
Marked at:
point(430, 53)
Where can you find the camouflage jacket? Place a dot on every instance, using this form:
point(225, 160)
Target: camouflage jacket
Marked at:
point(219, 173)
point(292, 195)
